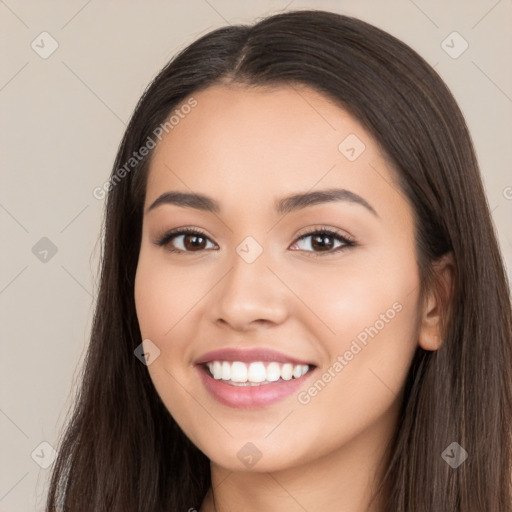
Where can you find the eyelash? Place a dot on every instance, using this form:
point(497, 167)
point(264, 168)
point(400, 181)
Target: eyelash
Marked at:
point(318, 230)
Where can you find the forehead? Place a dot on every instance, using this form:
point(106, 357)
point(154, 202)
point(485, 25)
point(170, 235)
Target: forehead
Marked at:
point(246, 144)
point(289, 121)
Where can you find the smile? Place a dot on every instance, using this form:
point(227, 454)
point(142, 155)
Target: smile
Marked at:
point(257, 373)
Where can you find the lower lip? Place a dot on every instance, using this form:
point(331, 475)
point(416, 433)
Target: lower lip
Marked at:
point(246, 397)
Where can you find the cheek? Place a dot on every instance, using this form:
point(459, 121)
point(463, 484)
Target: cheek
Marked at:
point(159, 300)
point(347, 298)
point(163, 301)
point(163, 296)
point(169, 300)
point(373, 310)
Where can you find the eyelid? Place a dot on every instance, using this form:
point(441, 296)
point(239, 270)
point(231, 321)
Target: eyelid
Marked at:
point(310, 230)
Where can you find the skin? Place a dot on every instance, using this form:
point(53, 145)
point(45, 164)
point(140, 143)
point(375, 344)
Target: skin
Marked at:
point(327, 454)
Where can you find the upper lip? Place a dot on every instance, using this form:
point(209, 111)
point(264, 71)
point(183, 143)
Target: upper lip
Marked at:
point(248, 356)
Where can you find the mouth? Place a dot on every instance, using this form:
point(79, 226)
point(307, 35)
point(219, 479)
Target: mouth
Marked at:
point(256, 373)
point(252, 378)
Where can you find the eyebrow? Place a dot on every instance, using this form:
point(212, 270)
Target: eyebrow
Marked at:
point(281, 206)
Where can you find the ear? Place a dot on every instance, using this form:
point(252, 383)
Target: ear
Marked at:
point(436, 306)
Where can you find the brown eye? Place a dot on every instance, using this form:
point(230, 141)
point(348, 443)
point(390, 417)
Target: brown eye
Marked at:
point(324, 241)
point(186, 240)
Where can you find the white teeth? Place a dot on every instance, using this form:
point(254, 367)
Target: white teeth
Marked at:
point(273, 372)
point(297, 371)
point(217, 370)
point(256, 372)
point(286, 371)
point(226, 371)
point(238, 372)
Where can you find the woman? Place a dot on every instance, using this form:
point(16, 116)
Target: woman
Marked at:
point(302, 304)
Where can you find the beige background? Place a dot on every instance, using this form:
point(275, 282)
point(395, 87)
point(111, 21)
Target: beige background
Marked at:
point(62, 118)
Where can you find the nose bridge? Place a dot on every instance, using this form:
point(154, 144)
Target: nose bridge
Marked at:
point(250, 291)
point(249, 276)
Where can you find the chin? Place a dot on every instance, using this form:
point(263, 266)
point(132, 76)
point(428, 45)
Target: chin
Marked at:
point(254, 456)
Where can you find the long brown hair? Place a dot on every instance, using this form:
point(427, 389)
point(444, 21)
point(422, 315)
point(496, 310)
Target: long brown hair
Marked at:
point(122, 451)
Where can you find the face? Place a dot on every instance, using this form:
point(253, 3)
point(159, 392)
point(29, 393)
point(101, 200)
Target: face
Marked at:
point(281, 331)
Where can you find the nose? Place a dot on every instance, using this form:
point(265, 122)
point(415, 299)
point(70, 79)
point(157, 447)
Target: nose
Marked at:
point(250, 294)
